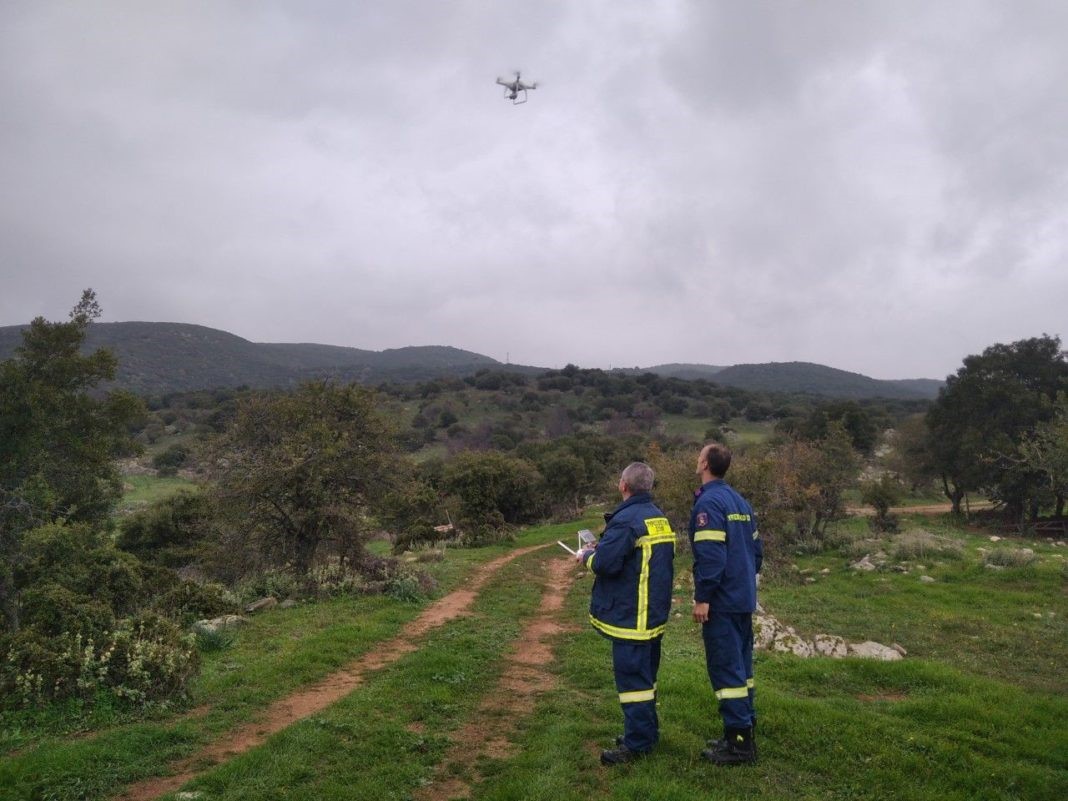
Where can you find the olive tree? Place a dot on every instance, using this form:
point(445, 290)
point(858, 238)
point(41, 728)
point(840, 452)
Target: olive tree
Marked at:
point(305, 468)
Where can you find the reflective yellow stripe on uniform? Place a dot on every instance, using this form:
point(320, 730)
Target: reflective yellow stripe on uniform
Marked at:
point(643, 588)
point(626, 634)
point(749, 683)
point(659, 532)
point(589, 562)
point(756, 534)
point(732, 692)
point(636, 696)
point(709, 535)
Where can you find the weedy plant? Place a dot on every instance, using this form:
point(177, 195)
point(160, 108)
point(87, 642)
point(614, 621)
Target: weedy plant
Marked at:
point(918, 544)
point(1010, 557)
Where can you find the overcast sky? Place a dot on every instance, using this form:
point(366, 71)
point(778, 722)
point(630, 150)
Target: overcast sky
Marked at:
point(877, 186)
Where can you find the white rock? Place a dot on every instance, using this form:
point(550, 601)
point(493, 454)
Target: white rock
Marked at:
point(864, 563)
point(825, 571)
point(830, 645)
point(263, 603)
point(926, 580)
point(899, 649)
point(787, 642)
point(995, 538)
point(288, 603)
point(764, 630)
point(189, 795)
point(218, 624)
point(874, 650)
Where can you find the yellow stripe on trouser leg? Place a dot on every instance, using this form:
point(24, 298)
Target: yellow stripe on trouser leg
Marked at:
point(732, 692)
point(635, 696)
point(749, 683)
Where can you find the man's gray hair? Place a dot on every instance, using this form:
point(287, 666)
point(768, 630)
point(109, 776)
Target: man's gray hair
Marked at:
point(638, 476)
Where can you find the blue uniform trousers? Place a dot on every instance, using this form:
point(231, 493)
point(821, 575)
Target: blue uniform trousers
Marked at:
point(729, 657)
point(635, 664)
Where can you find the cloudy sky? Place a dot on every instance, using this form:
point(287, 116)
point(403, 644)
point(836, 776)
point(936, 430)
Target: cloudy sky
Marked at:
point(878, 186)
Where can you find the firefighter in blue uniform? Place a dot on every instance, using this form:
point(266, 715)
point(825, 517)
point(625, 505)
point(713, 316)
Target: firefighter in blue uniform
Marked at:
point(633, 568)
point(727, 555)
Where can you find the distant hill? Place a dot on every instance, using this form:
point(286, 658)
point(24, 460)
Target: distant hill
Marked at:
point(156, 358)
point(818, 379)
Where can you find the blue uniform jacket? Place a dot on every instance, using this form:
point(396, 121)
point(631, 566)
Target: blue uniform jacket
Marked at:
point(727, 552)
point(634, 568)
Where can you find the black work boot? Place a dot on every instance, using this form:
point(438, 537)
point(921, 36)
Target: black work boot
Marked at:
point(736, 748)
point(620, 756)
point(721, 744)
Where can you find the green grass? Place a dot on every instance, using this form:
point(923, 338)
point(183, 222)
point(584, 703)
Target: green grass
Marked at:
point(742, 431)
point(975, 712)
point(142, 491)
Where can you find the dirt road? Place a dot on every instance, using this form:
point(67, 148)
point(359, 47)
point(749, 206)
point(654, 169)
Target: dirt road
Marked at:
point(309, 700)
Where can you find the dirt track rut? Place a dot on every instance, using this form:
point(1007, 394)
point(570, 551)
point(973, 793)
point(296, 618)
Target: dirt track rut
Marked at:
point(309, 700)
point(525, 676)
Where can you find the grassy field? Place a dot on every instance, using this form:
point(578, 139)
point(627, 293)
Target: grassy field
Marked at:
point(739, 431)
point(976, 711)
point(142, 491)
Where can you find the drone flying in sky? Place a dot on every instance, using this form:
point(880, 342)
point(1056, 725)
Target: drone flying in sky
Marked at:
point(513, 90)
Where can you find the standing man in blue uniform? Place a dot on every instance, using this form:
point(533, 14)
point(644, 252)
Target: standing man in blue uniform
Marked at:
point(727, 555)
point(633, 563)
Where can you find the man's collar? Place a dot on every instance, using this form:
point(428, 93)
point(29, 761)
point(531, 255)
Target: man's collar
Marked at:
point(708, 485)
point(637, 497)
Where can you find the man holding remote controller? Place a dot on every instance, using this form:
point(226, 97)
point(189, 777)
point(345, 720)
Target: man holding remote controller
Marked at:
point(633, 565)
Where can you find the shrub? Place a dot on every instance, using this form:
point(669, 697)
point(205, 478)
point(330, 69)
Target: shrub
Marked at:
point(275, 583)
point(53, 610)
point(143, 659)
point(190, 601)
point(1010, 557)
point(918, 544)
point(861, 547)
point(169, 460)
point(411, 587)
point(172, 532)
point(494, 490)
point(84, 562)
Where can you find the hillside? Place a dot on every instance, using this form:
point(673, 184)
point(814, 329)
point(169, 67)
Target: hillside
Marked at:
point(157, 358)
point(818, 379)
point(167, 357)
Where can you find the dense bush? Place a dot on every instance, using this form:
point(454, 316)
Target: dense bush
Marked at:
point(189, 601)
point(494, 490)
point(172, 532)
point(82, 625)
point(143, 658)
point(881, 495)
point(169, 460)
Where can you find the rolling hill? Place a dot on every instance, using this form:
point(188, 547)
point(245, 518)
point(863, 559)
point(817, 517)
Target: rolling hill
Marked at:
point(156, 358)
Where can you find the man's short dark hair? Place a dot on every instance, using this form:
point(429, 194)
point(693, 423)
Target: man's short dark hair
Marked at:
point(718, 458)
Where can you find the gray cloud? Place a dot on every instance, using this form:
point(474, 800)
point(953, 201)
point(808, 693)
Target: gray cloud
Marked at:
point(875, 186)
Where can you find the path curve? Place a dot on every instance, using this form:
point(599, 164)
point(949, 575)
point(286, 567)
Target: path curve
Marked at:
point(307, 701)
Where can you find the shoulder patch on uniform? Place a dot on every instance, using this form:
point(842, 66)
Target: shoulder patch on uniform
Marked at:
point(702, 519)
